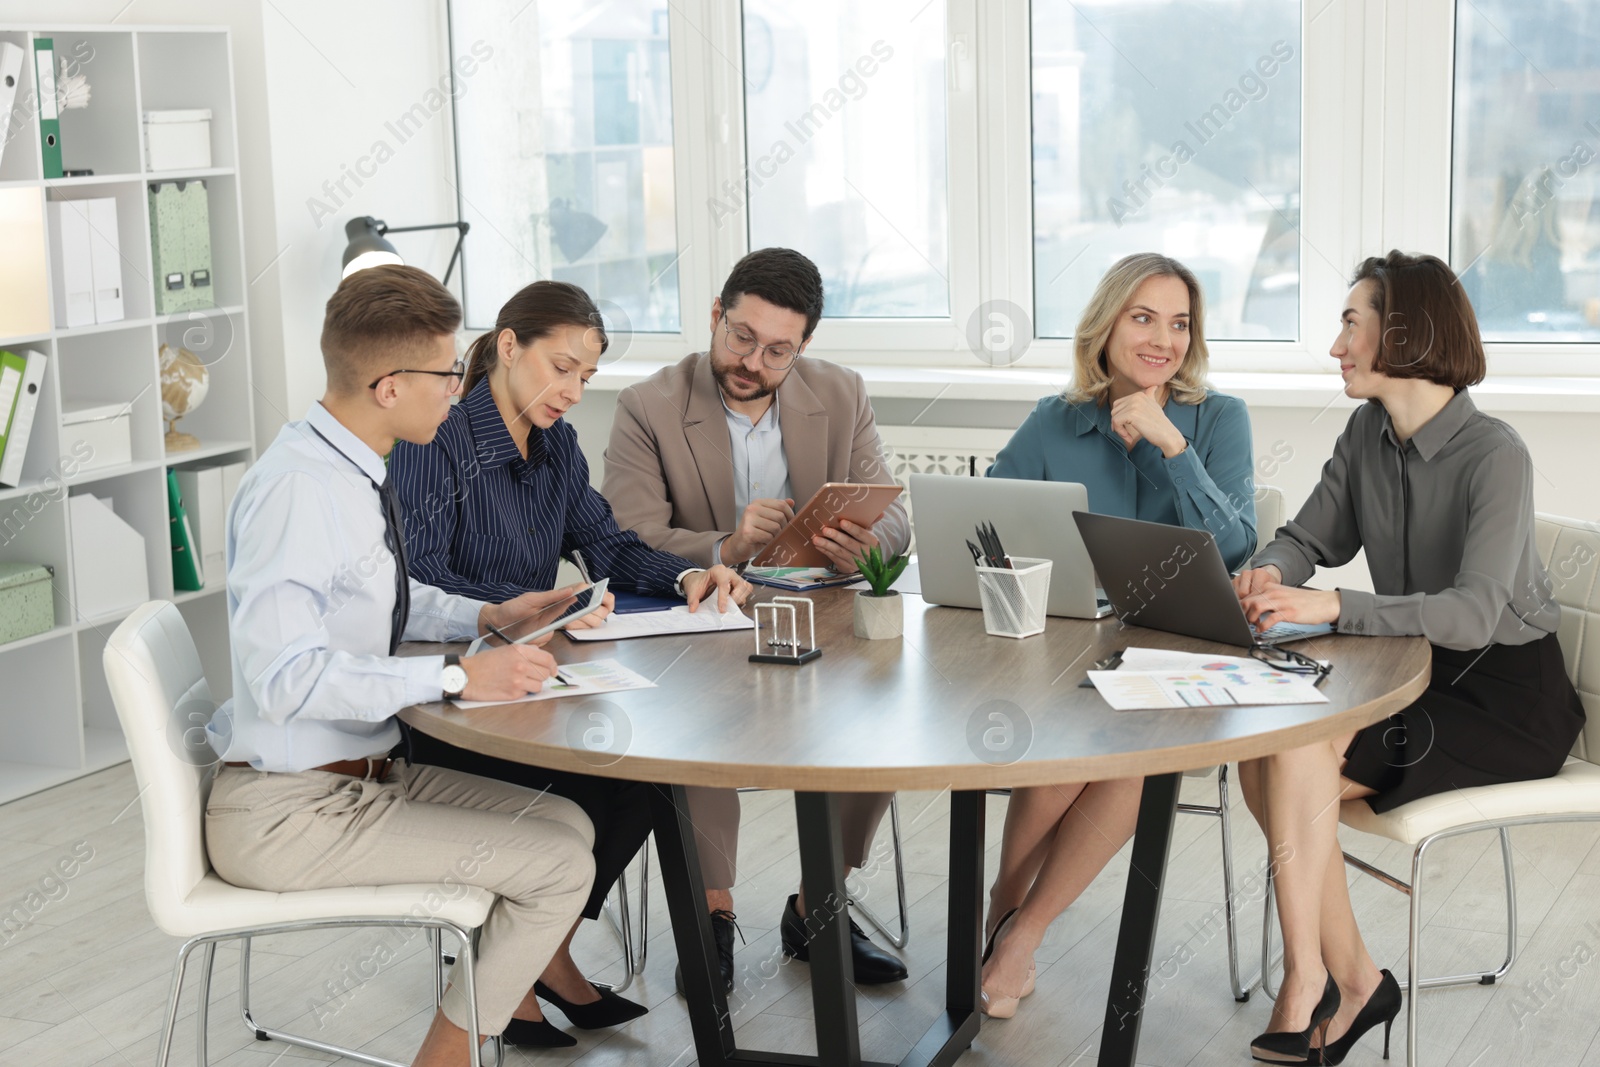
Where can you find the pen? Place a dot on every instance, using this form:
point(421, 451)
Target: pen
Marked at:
point(583, 569)
point(977, 557)
point(492, 628)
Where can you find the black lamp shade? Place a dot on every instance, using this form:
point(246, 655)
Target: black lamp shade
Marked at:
point(366, 245)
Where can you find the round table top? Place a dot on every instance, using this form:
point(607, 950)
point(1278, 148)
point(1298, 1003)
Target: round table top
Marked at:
point(944, 706)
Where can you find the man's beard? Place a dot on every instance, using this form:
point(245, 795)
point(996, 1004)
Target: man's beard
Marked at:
point(725, 377)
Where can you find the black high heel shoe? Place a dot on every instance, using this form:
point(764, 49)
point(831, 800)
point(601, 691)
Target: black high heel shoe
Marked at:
point(1381, 1007)
point(1291, 1046)
point(535, 1033)
point(609, 1010)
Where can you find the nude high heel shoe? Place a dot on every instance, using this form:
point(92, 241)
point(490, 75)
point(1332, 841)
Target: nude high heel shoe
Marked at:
point(994, 1004)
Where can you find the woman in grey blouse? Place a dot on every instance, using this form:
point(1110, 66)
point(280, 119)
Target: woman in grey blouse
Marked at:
point(1441, 497)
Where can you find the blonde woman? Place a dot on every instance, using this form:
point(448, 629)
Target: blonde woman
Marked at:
point(1147, 438)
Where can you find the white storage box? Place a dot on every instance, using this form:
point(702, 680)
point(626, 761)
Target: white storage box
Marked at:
point(109, 570)
point(96, 435)
point(177, 140)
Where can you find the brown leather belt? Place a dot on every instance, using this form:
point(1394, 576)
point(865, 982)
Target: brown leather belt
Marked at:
point(373, 768)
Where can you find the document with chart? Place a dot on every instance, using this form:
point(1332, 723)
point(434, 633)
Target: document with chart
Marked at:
point(1155, 678)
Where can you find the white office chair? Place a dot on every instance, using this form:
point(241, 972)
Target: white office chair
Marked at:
point(1571, 553)
point(162, 698)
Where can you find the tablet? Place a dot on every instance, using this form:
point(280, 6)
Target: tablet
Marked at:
point(861, 504)
point(585, 601)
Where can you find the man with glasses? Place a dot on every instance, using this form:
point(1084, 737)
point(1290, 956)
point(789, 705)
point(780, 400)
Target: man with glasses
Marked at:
point(707, 460)
point(308, 796)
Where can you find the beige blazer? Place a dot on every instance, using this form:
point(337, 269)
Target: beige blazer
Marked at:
point(669, 473)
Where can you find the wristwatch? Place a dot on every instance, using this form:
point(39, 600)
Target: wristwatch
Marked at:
point(453, 679)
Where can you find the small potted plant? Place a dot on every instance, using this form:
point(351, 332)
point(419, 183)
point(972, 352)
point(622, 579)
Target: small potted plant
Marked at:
point(879, 611)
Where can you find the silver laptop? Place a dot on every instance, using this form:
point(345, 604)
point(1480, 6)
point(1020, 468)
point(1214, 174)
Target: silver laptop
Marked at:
point(1033, 518)
point(1172, 578)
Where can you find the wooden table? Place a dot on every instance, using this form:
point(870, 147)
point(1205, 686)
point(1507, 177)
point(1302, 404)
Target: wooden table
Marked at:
point(946, 706)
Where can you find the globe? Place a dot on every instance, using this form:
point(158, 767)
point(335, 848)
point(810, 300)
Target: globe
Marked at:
point(184, 383)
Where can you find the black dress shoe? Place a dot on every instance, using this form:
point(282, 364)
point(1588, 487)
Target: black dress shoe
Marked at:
point(609, 1010)
point(870, 964)
point(723, 925)
point(530, 1034)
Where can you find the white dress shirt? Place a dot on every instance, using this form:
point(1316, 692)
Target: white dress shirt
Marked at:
point(311, 590)
point(760, 469)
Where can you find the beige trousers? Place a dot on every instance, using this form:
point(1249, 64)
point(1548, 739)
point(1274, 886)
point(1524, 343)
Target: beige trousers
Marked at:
point(715, 814)
point(427, 825)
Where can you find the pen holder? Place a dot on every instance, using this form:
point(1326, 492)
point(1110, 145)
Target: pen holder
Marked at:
point(1014, 599)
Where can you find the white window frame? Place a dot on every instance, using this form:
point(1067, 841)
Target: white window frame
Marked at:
point(1377, 98)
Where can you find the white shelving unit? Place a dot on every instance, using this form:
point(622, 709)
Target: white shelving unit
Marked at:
point(56, 718)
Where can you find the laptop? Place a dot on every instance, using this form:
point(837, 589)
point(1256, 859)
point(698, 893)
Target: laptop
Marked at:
point(1033, 518)
point(1172, 578)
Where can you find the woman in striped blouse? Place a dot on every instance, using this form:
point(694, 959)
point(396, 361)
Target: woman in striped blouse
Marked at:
point(492, 504)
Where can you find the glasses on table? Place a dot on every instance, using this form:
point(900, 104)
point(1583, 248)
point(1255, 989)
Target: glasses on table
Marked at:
point(458, 371)
point(740, 343)
point(1291, 662)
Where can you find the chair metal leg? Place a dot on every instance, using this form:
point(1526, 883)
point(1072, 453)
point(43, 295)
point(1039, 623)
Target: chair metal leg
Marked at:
point(436, 954)
point(898, 941)
point(202, 1013)
point(621, 922)
point(644, 910)
point(1241, 987)
point(172, 1001)
point(244, 990)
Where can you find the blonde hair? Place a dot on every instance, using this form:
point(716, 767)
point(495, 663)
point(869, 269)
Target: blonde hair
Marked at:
point(1091, 379)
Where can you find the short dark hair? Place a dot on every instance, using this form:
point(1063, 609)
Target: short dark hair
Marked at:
point(1429, 329)
point(381, 319)
point(779, 276)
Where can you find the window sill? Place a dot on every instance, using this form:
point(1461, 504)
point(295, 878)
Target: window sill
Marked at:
point(1258, 389)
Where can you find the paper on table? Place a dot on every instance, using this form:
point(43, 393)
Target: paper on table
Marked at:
point(596, 676)
point(680, 620)
point(1196, 681)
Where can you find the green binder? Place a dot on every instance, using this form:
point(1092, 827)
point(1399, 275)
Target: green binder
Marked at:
point(180, 243)
point(186, 574)
point(44, 68)
point(12, 369)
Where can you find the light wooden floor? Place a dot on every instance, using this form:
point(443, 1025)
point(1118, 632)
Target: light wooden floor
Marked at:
point(85, 981)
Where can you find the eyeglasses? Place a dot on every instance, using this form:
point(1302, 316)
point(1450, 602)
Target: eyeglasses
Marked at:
point(776, 357)
point(1292, 662)
point(458, 372)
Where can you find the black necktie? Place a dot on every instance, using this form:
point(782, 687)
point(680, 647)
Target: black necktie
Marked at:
point(395, 541)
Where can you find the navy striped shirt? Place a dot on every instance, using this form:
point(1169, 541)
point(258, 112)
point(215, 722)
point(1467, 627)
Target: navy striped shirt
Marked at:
point(483, 522)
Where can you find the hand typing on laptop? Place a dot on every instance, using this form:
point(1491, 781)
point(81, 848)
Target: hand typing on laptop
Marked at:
point(1267, 601)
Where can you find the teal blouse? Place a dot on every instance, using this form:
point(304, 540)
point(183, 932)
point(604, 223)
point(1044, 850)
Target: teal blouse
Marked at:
point(1207, 486)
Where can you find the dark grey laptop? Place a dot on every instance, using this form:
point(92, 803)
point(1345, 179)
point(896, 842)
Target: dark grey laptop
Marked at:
point(1033, 518)
point(1172, 578)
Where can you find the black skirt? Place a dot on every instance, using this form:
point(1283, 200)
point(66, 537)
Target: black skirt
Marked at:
point(1503, 713)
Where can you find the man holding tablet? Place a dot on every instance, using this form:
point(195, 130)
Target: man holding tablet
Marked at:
point(707, 460)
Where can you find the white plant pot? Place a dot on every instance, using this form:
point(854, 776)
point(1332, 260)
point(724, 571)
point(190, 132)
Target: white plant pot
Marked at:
point(879, 617)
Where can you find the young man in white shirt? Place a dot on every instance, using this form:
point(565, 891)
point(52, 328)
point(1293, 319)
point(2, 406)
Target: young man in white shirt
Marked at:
point(318, 602)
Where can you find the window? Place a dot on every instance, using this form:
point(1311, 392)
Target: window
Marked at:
point(845, 119)
point(567, 155)
point(1172, 127)
point(1525, 214)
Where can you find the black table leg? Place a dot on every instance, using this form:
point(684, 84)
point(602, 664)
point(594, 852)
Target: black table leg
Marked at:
point(1141, 907)
point(833, 994)
point(953, 1033)
point(691, 925)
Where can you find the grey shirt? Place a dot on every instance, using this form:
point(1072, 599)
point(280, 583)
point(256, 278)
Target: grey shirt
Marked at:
point(1447, 522)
